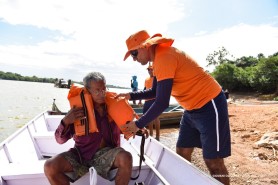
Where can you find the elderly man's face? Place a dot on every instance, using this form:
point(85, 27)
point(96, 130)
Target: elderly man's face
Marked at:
point(97, 90)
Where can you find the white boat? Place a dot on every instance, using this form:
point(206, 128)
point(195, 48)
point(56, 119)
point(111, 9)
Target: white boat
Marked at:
point(22, 156)
point(170, 116)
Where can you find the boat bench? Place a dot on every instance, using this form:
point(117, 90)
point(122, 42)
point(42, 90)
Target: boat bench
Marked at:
point(33, 173)
point(24, 173)
point(47, 144)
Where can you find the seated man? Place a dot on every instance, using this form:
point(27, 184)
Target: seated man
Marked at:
point(98, 149)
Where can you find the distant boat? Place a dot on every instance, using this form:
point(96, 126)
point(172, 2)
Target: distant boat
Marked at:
point(170, 116)
point(61, 83)
point(23, 154)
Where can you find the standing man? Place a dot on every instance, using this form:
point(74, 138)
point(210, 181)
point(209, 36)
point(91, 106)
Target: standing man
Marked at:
point(134, 87)
point(148, 103)
point(100, 148)
point(205, 123)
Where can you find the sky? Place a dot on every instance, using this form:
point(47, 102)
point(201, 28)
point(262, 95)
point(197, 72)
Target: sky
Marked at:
point(70, 38)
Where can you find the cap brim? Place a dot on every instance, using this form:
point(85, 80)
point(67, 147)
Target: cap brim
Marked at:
point(126, 55)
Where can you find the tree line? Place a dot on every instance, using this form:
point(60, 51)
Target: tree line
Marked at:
point(252, 74)
point(18, 77)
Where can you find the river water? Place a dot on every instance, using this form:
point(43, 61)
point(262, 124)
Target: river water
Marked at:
point(21, 101)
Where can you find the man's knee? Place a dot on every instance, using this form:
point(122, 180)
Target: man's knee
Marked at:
point(49, 167)
point(216, 165)
point(185, 152)
point(124, 158)
point(55, 165)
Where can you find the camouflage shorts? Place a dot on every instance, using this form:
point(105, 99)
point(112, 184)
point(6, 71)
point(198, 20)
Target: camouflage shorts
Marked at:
point(102, 162)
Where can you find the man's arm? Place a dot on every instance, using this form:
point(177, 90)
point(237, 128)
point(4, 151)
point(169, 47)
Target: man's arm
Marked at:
point(63, 133)
point(145, 94)
point(65, 130)
point(162, 100)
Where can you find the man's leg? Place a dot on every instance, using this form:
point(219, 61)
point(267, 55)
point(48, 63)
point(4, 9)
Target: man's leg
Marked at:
point(218, 170)
point(215, 136)
point(157, 128)
point(185, 152)
point(188, 139)
point(123, 162)
point(150, 125)
point(55, 168)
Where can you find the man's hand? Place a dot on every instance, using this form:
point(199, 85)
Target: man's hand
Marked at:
point(74, 114)
point(145, 132)
point(124, 95)
point(130, 128)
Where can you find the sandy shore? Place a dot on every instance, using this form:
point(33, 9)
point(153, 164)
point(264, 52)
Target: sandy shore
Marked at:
point(250, 118)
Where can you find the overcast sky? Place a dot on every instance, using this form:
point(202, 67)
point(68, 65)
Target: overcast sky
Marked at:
point(69, 38)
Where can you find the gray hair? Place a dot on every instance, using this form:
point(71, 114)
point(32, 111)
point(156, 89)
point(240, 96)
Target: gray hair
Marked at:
point(93, 76)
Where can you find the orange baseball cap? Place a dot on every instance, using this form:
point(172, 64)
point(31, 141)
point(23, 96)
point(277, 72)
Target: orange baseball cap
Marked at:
point(142, 39)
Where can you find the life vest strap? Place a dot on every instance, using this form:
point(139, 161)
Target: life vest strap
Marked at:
point(85, 121)
point(142, 158)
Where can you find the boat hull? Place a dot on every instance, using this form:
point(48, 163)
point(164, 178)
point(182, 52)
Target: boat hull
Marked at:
point(171, 116)
point(22, 167)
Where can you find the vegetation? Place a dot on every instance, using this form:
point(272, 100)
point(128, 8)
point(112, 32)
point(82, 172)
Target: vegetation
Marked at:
point(253, 74)
point(15, 76)
point(18, 77)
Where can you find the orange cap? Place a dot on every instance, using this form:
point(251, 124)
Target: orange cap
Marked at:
point(142, 39)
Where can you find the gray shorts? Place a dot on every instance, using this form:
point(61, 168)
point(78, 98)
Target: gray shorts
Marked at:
point(102, 162)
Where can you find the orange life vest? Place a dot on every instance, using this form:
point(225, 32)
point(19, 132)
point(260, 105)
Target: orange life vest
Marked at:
point(118, 109)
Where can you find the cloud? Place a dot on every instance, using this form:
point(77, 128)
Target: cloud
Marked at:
point(240, 40)
point(92, 37)
point(94, 34)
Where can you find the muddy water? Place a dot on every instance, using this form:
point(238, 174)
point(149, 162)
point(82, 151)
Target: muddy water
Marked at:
point(21, 101)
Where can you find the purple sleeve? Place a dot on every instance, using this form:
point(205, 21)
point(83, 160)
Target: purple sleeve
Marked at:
point(145, 94)
point(62, 135)
point(162, 100)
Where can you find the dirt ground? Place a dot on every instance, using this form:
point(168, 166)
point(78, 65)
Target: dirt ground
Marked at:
point(250, 118)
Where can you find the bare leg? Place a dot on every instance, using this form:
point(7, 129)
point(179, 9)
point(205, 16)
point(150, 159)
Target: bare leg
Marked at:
point(55, 168)
point(185, 153)
point(157, 128)
point(123, 162)
point(151, 128)
point(218, 170)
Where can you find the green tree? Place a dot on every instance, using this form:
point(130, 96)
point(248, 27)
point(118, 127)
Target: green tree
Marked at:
point(265, 77)
point(246, 62)
point(225, 76)
point(219, 57)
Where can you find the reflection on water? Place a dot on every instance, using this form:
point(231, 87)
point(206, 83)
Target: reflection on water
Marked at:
point(21, 101)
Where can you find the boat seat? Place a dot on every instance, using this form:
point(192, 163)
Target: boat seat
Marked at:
point(31, 173)
point(19, 174)
point(47, 144)
point(144, 173)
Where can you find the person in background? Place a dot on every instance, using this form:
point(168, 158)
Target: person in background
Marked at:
point(134, 87)
point(148, 103)
point(99, 149)
point(227, 93)
point(205, 122)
